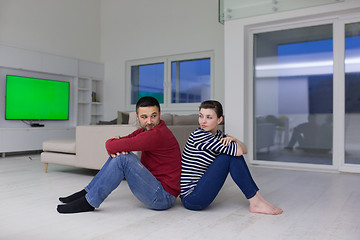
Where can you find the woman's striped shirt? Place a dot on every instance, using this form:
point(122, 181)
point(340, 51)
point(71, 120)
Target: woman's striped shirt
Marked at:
point(200, 151)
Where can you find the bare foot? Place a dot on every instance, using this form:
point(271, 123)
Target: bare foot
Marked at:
point(262, 198)
point(259, 205)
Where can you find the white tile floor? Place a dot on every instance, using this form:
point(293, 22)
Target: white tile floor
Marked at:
point(317, 206)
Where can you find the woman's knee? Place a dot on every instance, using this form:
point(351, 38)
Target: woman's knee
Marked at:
point(229, 157)
point(224, 158)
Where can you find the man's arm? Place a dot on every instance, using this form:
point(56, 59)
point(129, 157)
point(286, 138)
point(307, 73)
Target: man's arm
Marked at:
point(138, 141)
point(133, 134)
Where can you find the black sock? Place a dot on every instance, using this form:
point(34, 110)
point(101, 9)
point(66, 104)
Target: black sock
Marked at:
point(73, 197)
point(77, 206)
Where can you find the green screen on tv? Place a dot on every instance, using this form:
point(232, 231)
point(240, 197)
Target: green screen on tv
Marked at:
point(36, 99)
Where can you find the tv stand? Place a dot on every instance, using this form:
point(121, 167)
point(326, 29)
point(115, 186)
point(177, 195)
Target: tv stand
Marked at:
point(31, 138)
point(36, 125)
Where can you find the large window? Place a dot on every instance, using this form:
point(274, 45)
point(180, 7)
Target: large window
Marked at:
point(172, 80)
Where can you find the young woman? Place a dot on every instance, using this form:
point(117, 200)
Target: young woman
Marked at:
point(208, 157)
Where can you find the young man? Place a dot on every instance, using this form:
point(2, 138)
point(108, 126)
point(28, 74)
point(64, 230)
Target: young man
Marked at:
point(154, 180)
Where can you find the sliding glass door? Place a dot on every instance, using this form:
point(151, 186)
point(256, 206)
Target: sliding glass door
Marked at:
point(293, 91)
point(352, 93)
point(293, 95)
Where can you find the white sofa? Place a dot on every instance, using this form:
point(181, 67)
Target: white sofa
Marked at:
point(88, 149)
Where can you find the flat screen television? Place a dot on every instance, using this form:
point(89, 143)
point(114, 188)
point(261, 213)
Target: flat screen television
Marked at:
point(36, 99)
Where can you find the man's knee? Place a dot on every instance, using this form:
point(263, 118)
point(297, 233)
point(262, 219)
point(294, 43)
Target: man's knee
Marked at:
point(125, 160)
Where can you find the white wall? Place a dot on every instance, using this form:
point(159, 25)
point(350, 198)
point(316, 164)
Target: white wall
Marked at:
point(113, 32)
point(238, 63)
point(67, 27)
point(40, 38)
point(141, 29)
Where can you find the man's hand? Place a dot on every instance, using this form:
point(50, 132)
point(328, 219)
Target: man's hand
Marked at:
point(118, 154)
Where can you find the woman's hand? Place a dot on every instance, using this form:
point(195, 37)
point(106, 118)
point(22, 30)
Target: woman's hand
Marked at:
point(227, 140)
point(241, 147)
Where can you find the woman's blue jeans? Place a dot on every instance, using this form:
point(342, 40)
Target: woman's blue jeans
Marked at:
point(213, 179)
point(140, 180)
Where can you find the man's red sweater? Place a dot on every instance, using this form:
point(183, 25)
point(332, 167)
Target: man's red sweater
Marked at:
point(160, 153)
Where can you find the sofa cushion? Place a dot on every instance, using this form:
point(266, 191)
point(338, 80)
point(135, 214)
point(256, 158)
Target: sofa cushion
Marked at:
point(58, 158)
point(112, 122)
point(167, 118)
point(63, 146)
point(122, 118)
point(133, 119)
point(191, 119)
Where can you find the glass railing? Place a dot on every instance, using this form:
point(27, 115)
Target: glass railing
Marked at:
point(235, 9)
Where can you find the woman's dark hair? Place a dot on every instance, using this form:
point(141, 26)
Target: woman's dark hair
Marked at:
point(212, 104)
point(147, 102)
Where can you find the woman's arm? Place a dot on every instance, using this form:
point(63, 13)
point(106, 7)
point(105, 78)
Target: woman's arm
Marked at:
point(205, 141)
point(241, 147)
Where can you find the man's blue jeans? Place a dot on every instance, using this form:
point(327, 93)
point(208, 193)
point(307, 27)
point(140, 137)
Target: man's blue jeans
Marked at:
point(140, 180)
point(213, 179)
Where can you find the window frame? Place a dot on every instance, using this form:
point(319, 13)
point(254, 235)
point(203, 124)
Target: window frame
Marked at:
point(167, 60)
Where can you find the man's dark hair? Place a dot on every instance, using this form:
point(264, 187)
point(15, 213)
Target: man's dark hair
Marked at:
point(147, 102)
point(212, 104)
